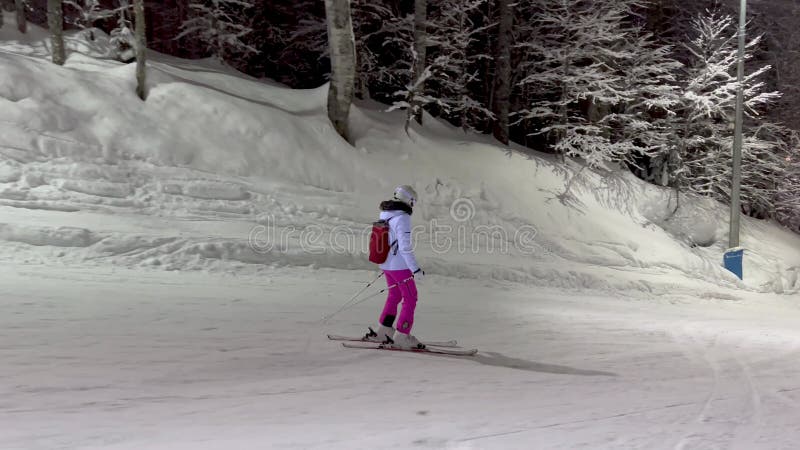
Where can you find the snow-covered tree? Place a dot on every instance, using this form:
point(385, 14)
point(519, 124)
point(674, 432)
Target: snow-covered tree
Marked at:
point(647, 119)
point(141, 49)
point(381, 38)
point(703, 131)
point(381, 34)
point(455, 67)
point(502, 81)
point(766, 152)
point(55, 21)
point(343, 63)
point(671, 20)
point(87, 12)
point(444, 84)
point(221, 26)
point(570, 77)
point(123, 40)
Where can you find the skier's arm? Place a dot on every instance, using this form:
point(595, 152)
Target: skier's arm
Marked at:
point(404, 243)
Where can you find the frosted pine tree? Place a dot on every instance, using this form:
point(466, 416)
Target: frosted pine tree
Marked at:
point(221, 26)
point(703, 129)
point(567, 59)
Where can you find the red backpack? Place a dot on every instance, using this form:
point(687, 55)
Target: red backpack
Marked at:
point(379, 245)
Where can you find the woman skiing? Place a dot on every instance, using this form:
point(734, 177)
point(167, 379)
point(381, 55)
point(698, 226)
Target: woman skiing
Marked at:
point(401, 271)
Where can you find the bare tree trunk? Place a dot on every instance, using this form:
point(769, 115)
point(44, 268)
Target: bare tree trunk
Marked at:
point(141, 49)
point(55, 20)
point(4, 7)
point(502, 86)
point(22, 22)
point(420, 51)
point(343, 63)
point(362, 87)
point(181, 18)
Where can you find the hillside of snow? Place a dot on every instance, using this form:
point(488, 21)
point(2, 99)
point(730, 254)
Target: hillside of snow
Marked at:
point(219, 170)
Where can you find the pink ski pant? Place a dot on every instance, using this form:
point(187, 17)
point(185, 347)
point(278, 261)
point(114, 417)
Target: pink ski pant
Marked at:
point(405, 291)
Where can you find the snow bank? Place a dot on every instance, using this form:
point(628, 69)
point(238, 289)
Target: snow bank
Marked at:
point(58, 237)
point(218, 169)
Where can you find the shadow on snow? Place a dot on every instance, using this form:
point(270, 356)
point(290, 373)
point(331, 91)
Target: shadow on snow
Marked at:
point(500, 360)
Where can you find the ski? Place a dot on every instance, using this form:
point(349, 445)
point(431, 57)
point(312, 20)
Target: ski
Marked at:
point(439, 351)
point(446, 344)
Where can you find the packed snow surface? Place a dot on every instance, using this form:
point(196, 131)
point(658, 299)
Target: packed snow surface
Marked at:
point(143, 359)
point(166, 267)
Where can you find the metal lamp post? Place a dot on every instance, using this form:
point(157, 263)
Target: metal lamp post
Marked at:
point(733, 257)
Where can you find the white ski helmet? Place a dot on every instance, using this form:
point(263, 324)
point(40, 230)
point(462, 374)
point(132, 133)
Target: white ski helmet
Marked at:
point(405, 194)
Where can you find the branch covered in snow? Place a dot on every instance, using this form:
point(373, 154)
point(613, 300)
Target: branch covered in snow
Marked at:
point(221, 26)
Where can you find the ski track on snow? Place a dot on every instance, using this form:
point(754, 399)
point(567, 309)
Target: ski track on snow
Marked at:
point(717, 424)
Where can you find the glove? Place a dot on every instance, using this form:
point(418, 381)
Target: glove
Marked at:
point(419, 275)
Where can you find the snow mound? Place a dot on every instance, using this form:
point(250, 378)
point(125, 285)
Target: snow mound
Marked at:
point(40, 236)
point(213, 190)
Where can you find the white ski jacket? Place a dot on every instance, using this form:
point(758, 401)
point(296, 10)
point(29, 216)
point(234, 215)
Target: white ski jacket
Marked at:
point(401, 255)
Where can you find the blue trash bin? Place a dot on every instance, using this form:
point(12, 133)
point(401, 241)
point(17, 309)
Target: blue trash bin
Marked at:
point(733, 261)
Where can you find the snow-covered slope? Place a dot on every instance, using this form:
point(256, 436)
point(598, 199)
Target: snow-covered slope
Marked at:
point(219, 171)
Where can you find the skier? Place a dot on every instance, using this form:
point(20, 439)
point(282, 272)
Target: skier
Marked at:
point(401, 270)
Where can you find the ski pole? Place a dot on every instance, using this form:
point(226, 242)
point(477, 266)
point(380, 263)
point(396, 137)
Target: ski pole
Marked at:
point(380, 292)
point(345, 305)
